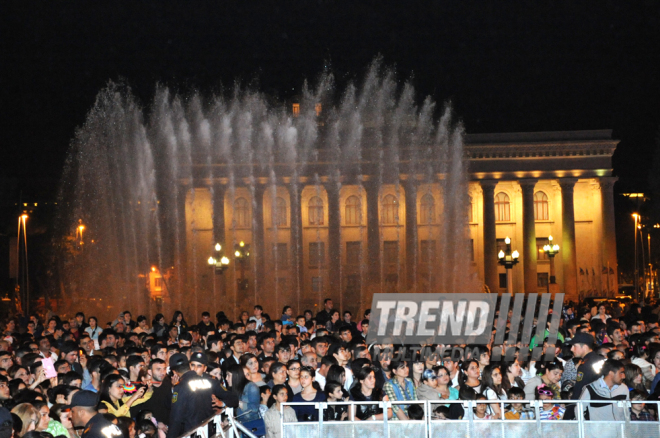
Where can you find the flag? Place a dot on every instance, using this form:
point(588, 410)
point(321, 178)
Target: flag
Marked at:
point(604, 270)
point(611, 271)
point(581, 271)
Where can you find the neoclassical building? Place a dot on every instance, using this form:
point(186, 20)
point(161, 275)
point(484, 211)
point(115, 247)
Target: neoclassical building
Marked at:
point(345, 238)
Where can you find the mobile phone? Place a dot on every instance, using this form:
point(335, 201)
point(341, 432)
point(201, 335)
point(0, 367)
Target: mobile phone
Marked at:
point(133, 387)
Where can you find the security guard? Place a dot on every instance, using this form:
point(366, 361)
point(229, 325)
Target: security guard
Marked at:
point(84, 414)
point(588, 372)
point(198, 363)
point(191, 398)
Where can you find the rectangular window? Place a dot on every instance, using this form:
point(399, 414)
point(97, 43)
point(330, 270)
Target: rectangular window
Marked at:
point(158, 283)
point(542, 279)
point(317, 284)
point(501, 246)
point(353, 285)
point(540, 243)
point(316, 253)
point(503, 281)
point(391, 252)
point(471, 249)
point(281, 255)
point(353, 253)
point(427, 252)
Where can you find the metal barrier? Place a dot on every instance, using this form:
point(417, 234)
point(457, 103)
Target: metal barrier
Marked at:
point(212, 428)
point(470, 425)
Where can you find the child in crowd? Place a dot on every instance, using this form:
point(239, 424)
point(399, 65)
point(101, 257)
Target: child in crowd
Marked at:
point(481, 410)
point(518, 411)
point(264, 392)
point(441, 413)
point(549, 410)
point(637, 410)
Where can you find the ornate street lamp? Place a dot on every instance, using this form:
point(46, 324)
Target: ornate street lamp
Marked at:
point(551, 250)
point(241, 255)
point(220, 262)
point(508, 259)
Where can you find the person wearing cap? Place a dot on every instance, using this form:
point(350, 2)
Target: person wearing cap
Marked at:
point(6, 423)
point(582, 346)
point(198, 363)
point(191, 396)
point(84, 414)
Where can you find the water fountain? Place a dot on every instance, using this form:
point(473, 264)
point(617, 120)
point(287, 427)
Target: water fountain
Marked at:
point(134, 176)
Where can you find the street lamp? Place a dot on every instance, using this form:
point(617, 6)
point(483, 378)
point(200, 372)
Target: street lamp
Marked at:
point(637, 217)
point(508, 259)
point(220, 262)
point(551, 250)
point(241, 254)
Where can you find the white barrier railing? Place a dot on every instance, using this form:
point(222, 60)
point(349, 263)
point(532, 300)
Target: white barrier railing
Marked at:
point(470, 425)
point(212, 428)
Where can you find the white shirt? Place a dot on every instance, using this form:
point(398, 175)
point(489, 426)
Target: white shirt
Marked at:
point(321, 380)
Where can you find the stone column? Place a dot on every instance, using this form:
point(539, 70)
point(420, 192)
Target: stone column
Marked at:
point(490, 237)
point(609, 232)
point(334, 243)
point(258, 251)
point(219, 217)
point(373, 232)
point(529, 235)
point(298, 272)
point(410, 186)
point(568, 255)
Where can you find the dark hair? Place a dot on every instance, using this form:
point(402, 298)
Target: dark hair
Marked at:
point(238, 380)
point(334, 374)
point(104, 393)
point(515, 391)
point(364, 372)
point(415, 412)
point(546, 367)
point(611, 366)
point(330, 388)
point(124, 424)
point(275, 368)
point(487, 379)
point(276, 390)
point(308, 370)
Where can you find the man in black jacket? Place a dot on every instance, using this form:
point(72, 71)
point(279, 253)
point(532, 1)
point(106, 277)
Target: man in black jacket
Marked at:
point(191, 398)
point(84, 414)
point(324, 315)
point(198, 363)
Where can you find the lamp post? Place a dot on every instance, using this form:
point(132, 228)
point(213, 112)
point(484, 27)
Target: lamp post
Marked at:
point(636, 216)
point(508, 259)
point(219, 263)
point(551, 250)
point(241, 254)
point(26, 277)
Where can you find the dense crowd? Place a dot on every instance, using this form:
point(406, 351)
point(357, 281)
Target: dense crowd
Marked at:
point(66, 377)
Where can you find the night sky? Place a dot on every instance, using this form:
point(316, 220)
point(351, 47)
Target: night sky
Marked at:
point(535, 66)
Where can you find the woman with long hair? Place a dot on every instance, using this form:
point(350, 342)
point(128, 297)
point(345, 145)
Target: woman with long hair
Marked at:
point(336, 374)
point(244, 318)
point(334, 392)
point(179, 321)
point(470, 375)
point(93, 330)
point(641, 356)
point(113, 396)
point(246, 391)
point(511, 372)
point(251, 363)
point(309, 394)
point(29, 415)
point(332, 325)
point(550, 375)
point(275, 415)
point(634, 378)
point(365, 390)
point(416, 369)
point(400, 388)
point(491, 387)
point(277, 375)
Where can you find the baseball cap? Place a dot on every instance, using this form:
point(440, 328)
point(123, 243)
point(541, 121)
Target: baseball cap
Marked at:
point(5, 417)
point(84, 398)
point(200, 358)
point(178, 359)
point(582, 338)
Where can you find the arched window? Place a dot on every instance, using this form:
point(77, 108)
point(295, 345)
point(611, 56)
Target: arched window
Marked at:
point(390, 210)
point(540, 206)
point(502, 207)
point(427, 213)
point(470, 210)
point(242, 213)
point(279, 213)
point(315, 211)
point(353, 213)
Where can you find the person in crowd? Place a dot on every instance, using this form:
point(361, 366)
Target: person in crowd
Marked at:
point(609, 387)
point(491, 387)
point(551, 377)
point(549, 410)
point(428, 388)
point(638, 411)
point(511, 375)
point(416, 369)
point(365, 390)
point(249, 361)
point(179, 322)
point(471, 374)
point(114, 397)
point(634, 378)
point(400, 388)
point(276, 414)
point(335, 393)
point(640, 356)
point(84, 415)
point(93, 330)
point(28, 415)
point(518, 411)
point(309, 393)
point(481, 409)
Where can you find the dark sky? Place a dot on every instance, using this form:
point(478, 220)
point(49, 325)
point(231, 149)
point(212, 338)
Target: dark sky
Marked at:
point(534, 66)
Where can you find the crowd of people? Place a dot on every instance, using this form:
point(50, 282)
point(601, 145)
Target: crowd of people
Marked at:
point(65, 377)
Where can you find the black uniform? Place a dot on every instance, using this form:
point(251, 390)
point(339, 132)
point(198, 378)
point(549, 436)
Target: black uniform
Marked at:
point(99, 427)
point(586, 373)
point(159, 404)
point(191, 403)
point(227, 397)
